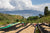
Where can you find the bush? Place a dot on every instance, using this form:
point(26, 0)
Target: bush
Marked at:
point(17, 20)
point(8, 21)
point(1, 18)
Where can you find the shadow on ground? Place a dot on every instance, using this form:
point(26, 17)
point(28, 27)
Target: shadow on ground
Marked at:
point(23, 28)
point(44, 31)
point(11, 28)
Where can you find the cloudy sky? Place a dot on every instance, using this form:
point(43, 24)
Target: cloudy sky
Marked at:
point(24, 4)
point(11, 5)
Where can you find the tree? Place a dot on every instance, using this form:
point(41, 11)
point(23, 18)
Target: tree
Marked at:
point(17, 20)
point(33, 18)
point(41, 15)
point(46, 11)
point(8, 21)
point(36, 17)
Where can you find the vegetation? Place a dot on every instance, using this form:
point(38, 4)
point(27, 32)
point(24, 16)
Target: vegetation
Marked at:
point(37, 30)
point(46, 11)
point(7, 19)
point(33, 18)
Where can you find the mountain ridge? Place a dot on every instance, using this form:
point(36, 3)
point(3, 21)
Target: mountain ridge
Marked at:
point(23, 12)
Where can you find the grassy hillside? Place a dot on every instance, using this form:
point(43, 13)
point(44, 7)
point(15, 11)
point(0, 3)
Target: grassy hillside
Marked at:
point(44, 19)
point(6, 18)
point(40, 20)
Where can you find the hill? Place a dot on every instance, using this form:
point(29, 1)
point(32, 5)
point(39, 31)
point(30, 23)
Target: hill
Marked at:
point(6, 18)
point(44, 19)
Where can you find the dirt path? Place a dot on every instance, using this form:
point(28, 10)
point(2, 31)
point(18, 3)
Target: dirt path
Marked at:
point(46, 27)
point(1, 31)
point(26, 29)
point(14, 31)
point(30, 29)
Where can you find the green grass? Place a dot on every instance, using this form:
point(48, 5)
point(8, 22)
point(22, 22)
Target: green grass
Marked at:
point(37, 31)
point(44, 19)
point(6, 18)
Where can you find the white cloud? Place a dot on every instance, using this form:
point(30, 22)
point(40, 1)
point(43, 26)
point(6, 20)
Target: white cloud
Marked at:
point(41, 6)
point(21, 5)
point(4, 4)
